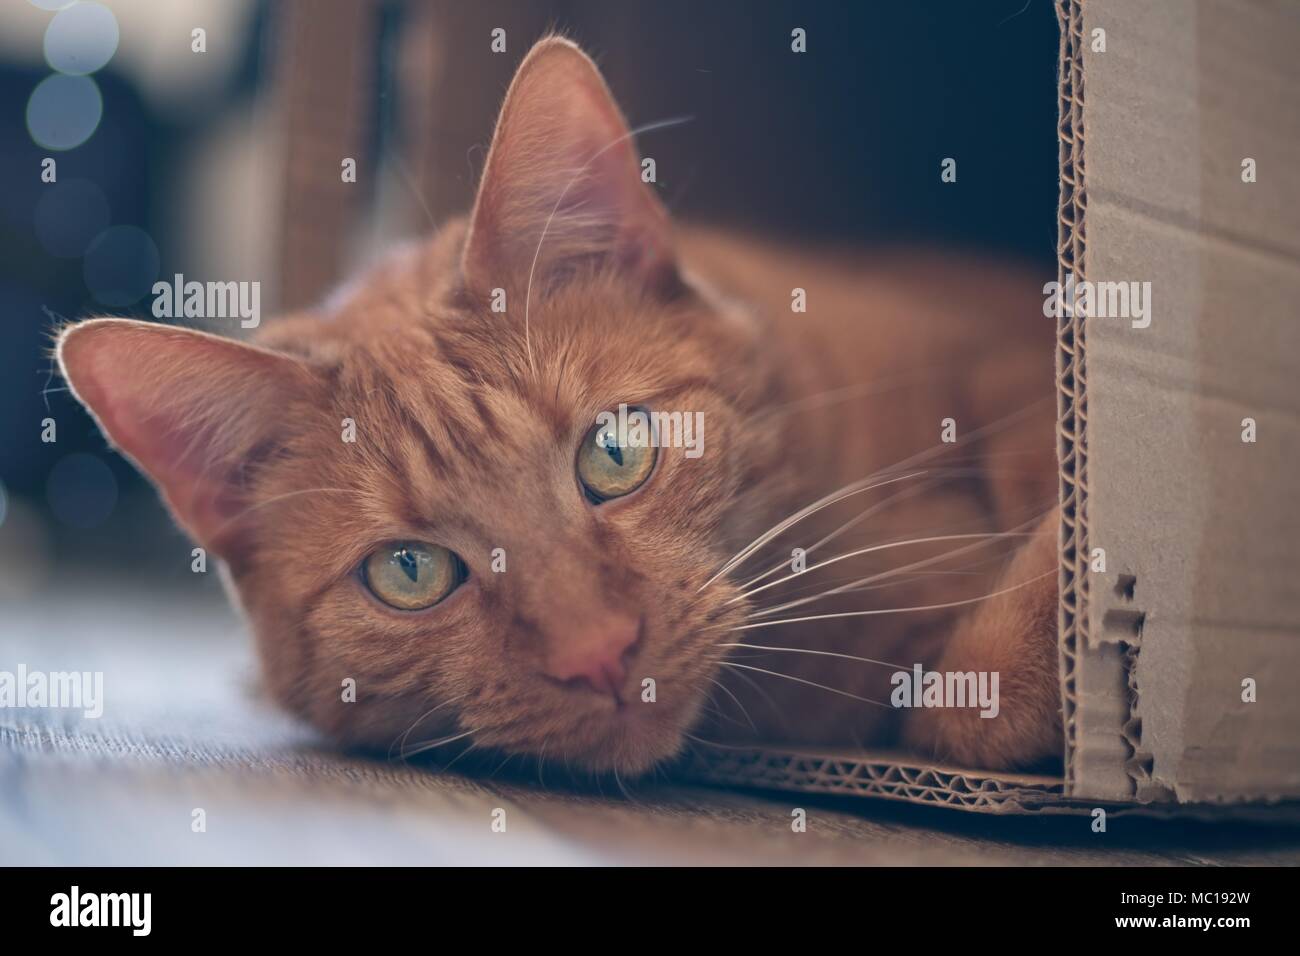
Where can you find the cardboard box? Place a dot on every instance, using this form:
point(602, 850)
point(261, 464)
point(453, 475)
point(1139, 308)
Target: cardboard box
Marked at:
point(1165, 114)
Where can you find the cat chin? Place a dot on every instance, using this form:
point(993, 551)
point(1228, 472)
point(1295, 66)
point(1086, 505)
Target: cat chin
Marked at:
point(631, 756)
point(629, 742)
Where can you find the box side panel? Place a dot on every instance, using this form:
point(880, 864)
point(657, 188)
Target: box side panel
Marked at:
point(1200, 528)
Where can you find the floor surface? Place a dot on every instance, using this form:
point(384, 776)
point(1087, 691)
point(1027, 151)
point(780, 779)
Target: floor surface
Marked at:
point(181, 732)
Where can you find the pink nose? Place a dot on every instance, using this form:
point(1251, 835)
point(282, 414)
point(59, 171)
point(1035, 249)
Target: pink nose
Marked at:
point(596, 655)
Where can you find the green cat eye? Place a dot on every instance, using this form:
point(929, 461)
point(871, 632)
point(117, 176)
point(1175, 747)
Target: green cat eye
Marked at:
point(610, 468)
point(411, 575)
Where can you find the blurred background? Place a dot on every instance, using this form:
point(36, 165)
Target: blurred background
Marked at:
point(216, 154)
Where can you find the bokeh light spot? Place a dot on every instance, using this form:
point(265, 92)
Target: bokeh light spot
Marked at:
point(81, 38)
point(120, 266)
point(69, 215)
point(64, 111)
point(81, 490)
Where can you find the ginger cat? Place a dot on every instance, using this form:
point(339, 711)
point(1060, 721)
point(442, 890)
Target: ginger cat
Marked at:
point(495, 569)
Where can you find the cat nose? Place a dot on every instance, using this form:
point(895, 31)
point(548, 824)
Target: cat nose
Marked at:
point(595, 655)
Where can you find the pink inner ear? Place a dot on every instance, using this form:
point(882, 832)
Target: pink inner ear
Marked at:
point(176, 454)
point(202, 489)
point(190, 409)
point(563, 181)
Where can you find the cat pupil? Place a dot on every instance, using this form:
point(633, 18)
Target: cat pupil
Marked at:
point(616, 453)
point(407, 560)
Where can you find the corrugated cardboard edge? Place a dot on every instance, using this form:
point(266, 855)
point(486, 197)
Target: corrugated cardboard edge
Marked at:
point(1071, 371)
point(1098, 692)
point(892, 775)
point(888, 774)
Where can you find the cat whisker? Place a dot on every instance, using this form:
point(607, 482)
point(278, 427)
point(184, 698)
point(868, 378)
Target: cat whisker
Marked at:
point(432, 745)
point(727, 690)
point(627, 795)
point(982, 432)
point(807, 650)
point(969, 569)
point(761, 692)
point(800, 680)
point(711, 708)
point(501, 766)
point(898, 610)
point(920, 576)
point(983, 540)
point(714, 743)
point(877, 547)
point(842, 529)
point(473, 745)
point(921, 488)
point(541, 762)
point(848, 491)
point(419, 720)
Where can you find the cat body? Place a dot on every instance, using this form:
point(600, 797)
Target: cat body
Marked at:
point(429, 431)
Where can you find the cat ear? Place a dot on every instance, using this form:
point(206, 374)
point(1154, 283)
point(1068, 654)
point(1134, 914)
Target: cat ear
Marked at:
point(194, 412)
point(562, 184)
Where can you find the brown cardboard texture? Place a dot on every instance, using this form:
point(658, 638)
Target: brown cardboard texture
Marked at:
point(1178, 432)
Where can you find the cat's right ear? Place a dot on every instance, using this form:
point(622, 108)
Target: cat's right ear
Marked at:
point(195, 412)
point(562, 183)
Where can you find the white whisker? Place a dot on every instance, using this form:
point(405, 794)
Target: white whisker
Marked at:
point(714, 743)
point(897, 610)
point(876, 547)
point(419, 720)
point(947, 555)
point(842, 529)
point(436, 743)
point(727, 690)
point(833, 690)
point(762, 692)
point(921, 488)
point(808, 650)
point(983, 431)
point(473, 745)
point(848, 491)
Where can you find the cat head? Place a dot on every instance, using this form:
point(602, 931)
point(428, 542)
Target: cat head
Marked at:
point(423, 503)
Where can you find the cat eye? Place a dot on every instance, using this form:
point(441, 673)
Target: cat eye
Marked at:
point(411, 576)
point(613, 464)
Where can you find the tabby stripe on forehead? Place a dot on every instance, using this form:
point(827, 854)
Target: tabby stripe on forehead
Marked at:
point(461, 365)
point(434, 457)
point(486, 417)
point(470, 441)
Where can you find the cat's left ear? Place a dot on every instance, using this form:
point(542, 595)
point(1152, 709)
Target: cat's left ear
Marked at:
point(562, 186)
point(197, 413)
